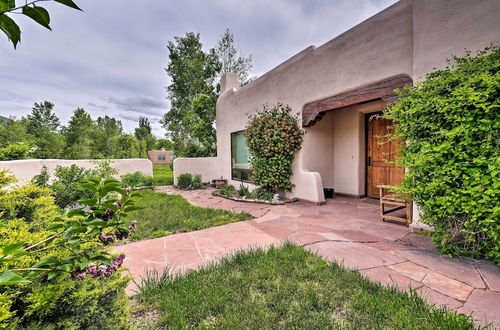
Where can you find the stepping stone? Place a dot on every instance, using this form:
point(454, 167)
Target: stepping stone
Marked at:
point(490, 273)
point(459, 269)
point(354, 255)
point(434, 280)
point(484, 306)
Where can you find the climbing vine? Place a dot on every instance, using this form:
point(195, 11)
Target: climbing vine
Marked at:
point(451, 125)
point(273, 136)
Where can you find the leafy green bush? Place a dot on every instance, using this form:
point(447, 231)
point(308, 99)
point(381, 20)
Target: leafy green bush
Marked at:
point(136, 179)
point(273, 136)
point(451, 124)
point(184, 180)
point(58, 303)
point(197, 178)
point(15, 151)
point(228, 190)
point(66, 184)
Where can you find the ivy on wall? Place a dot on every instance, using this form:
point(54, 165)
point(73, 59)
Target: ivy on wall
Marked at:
point(273, 136)
point(451, 124)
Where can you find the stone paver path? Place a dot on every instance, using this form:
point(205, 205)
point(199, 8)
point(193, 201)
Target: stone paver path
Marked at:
point(344, 230)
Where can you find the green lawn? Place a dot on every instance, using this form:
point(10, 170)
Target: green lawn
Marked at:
point(285, 287)
point(162, 175)
point(164, 214)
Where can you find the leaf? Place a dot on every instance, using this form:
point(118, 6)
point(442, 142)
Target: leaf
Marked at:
point(38, 14)
point(7, 5)
point(8, 249)
point(52, 275)
point(11, 29)
point(8, 278)
point(69, 3)
point(46, 261)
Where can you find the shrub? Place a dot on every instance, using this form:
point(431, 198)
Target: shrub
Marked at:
point(273, 136)
point(184, 180)
point(59, 303)
point(136, 179)
point(67, 180)
point(197, 178)
point(15, 151)
point(451, 124)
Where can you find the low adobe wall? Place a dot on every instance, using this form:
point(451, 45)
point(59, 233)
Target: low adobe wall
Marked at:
point(208, 167)
point(25, 170)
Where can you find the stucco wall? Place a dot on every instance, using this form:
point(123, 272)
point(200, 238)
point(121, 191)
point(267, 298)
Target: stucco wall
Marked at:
point(411, 37)
point(208, 168)
point(24, 170)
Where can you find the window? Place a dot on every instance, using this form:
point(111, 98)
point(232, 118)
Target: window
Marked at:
point(161, 157)
point(240, 158)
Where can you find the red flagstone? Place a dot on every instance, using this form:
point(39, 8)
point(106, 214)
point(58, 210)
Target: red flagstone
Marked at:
point(434, 280)
point(484, 307)
point(394, 256)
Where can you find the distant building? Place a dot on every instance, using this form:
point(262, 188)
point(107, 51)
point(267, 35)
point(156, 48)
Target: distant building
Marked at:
point(161, 156)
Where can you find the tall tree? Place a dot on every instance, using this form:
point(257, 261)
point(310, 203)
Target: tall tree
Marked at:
point(193, 72)
point(144, 133)
point(231, 59)
point(43, 125)
point(106, 141)
point(78, 135)
point(43, 118)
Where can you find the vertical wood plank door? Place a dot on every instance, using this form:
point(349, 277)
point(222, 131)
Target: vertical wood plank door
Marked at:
point(381, 154)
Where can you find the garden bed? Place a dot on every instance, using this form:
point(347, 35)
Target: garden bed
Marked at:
point(246, 199)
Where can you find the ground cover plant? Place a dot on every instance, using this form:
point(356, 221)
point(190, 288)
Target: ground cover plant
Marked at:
point(163, 175)
point(451, 124)
point(164, 214)
point(286, 287)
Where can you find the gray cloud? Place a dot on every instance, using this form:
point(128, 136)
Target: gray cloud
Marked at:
point(103, 60)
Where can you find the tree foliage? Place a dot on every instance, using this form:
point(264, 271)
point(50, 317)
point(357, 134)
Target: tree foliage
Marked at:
point(40, 135)
point(273, 137)
point(451, 125)
point(193, 92)
point(231, 59)
point(31, 9)
point(192, 72)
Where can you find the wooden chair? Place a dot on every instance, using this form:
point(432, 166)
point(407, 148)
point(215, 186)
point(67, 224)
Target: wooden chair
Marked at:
point(397, 201)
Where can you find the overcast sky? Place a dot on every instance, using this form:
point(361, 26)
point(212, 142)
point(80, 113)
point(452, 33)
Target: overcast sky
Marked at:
point(110, 59)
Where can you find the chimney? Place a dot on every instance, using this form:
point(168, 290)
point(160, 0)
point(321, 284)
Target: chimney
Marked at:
point(229, 81)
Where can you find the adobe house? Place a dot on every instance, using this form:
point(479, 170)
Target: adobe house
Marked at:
point(337, 86)
point(161, 156)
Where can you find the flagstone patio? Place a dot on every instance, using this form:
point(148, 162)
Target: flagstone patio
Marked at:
point(344, 230)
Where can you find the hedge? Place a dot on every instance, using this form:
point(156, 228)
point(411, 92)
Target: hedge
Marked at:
point(451, 124)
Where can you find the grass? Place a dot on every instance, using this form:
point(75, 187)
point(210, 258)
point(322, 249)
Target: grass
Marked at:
point(285, 287)
point(162, 175)
point(164, 214)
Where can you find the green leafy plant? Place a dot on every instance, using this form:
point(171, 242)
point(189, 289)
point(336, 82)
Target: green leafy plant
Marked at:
point(30, 9)
point(59, 303)
point(184, 180)
point(15, 151)
point(451, 124)
point(243, 190)
point(273, 136)
point(136, 179)
point(82, 231)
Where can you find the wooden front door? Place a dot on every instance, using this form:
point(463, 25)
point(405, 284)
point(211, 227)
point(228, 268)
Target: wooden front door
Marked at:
point(381, 153)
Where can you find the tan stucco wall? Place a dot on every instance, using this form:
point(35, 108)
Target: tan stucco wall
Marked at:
point(409, 38)
point(25, 170)
point(208, 168)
